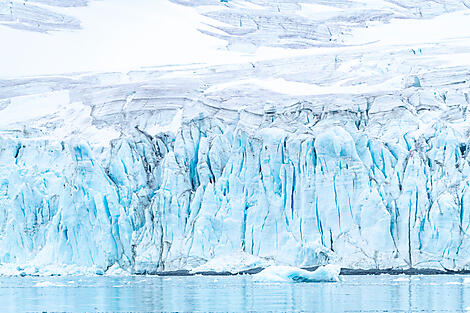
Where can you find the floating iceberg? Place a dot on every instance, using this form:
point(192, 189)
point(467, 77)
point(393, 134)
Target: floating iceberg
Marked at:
point(276, 273)
point(48, 284)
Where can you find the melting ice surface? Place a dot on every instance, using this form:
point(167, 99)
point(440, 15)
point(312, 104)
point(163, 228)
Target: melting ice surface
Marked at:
point(234, 293)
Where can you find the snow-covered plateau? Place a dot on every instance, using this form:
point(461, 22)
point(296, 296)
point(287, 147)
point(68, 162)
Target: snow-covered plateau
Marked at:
point(223, 135)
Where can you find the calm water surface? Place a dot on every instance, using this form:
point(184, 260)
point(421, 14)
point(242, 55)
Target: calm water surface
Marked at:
point(236, 293)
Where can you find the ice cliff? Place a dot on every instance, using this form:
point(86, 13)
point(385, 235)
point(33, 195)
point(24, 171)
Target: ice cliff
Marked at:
point(356, 155)
point(304, 188)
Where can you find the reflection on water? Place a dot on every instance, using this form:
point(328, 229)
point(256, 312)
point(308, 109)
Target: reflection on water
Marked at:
point(140, 293)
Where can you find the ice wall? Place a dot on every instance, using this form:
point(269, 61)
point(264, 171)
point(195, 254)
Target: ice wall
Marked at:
point(354, 188)
point(313, 133)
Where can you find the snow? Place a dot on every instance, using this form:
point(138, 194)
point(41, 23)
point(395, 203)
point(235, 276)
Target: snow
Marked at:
point(114, 36)
point(33, 111)
point(315, 10)
point(119, 36)
point(450, 26)
point(328, 273)
point(293, 88)
point(32, 107)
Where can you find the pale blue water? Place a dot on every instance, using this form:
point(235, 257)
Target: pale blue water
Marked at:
point(146, 294)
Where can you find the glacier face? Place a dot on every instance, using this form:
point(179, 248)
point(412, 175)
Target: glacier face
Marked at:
point(341, 187)
point(355, 153)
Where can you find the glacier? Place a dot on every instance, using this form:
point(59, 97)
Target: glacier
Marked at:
point(353, 153)
point(337, 187)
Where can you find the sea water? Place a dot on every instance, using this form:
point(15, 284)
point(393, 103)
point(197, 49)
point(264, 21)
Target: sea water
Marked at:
point(384, 293)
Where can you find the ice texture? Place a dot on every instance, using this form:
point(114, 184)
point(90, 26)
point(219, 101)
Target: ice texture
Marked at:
point(354, 153)
point(327, 190)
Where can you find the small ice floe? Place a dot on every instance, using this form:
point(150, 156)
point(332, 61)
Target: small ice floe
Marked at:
point(402, 279)
point(328, 273)
point(452, 283)
point(466, 280)
point(48, 284)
